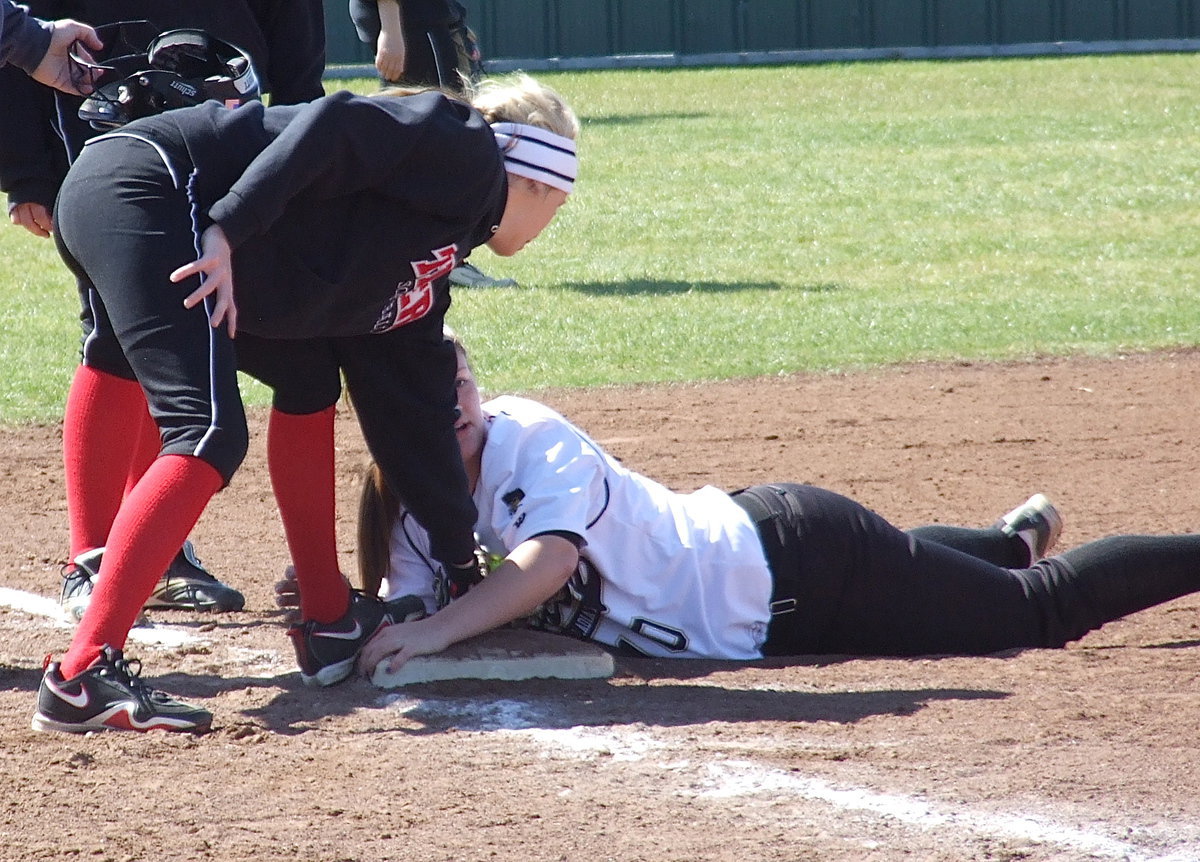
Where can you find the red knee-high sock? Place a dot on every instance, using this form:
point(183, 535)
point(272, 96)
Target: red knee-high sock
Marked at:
point(149, 528)
point(97, 451)
point(300, 460)
point(147, 443)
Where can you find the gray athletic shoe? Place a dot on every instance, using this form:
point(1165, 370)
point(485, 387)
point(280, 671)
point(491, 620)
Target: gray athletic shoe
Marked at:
point(188, 586)
point(185, 586)
point(79, 577)
point(1037, 522)
point(467, 275)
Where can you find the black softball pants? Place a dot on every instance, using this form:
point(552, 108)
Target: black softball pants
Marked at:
point(401, 383)
point(848, 582)
point(124, 221)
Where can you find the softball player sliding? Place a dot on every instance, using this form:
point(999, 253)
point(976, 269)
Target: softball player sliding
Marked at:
point(603, 553)
point(340, 218)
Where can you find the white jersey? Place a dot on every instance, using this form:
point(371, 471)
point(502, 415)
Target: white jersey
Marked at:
point(660, 574)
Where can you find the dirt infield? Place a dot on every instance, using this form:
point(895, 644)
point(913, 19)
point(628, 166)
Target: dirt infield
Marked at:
point(1092, 752)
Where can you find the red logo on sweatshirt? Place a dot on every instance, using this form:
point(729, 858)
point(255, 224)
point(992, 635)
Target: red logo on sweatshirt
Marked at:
point(414, 299)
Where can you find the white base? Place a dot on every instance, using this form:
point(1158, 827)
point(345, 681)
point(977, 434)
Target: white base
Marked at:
point(508, 654)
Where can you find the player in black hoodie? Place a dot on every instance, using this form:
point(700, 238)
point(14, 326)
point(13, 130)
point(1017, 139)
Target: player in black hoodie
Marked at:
point(341, 218)
point(42, 133)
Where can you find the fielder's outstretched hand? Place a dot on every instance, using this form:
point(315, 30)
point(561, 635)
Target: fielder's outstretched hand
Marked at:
point(215, 268)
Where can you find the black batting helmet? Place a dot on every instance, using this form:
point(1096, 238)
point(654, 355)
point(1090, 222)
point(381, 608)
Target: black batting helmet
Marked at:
point(175, 69)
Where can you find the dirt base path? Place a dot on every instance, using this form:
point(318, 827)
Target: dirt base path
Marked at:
point(1092, 752)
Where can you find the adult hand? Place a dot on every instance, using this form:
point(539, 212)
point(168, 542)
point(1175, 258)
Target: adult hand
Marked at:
point(215, 268)
point(57, 70)
point(531, 574)
point(35, 218)
point(398, 643)
point(390, 52)
point(390, 57)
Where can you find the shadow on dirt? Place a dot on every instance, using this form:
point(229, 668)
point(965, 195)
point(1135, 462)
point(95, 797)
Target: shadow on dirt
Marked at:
point(573, 705)
point(489, 705)
point(644, 691)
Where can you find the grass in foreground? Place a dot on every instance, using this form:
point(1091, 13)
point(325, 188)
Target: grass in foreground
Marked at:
point(733, 222)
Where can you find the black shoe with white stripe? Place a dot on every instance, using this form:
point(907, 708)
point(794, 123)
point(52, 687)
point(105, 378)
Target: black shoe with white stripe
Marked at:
point(79, 577)
point(110, 695)
point(327, 652)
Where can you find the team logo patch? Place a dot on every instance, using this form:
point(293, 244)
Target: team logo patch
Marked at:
point(414, 299)
point(513, 500)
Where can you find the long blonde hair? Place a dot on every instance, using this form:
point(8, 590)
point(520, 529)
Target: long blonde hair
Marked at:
point(515, 98)
point(518, 98)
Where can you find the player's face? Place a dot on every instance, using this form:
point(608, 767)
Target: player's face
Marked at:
point(529, 209)
point(471, 427)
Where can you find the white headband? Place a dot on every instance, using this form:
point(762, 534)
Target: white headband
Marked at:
point(538, 154)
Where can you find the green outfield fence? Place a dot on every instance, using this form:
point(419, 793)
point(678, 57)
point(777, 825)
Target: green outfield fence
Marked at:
point(586, 34)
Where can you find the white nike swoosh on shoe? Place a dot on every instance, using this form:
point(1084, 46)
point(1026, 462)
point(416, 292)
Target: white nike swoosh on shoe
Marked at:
point(79, 701)
point(352, 635)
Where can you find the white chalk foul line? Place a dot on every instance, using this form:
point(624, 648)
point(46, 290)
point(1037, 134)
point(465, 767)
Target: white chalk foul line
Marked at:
point(41, 606)
point(728, 779)
point(743, 778)
point(272, 664)
point(34, 605)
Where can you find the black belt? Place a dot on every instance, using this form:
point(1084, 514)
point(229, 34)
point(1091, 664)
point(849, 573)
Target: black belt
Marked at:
point(766, 506)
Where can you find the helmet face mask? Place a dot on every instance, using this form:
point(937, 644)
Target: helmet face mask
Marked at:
point(176, 69)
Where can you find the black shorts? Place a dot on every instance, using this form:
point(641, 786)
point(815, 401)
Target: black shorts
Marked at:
point(123, 222)
point(849, 582)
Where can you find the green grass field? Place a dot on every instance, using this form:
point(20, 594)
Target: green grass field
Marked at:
point(735, 222)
